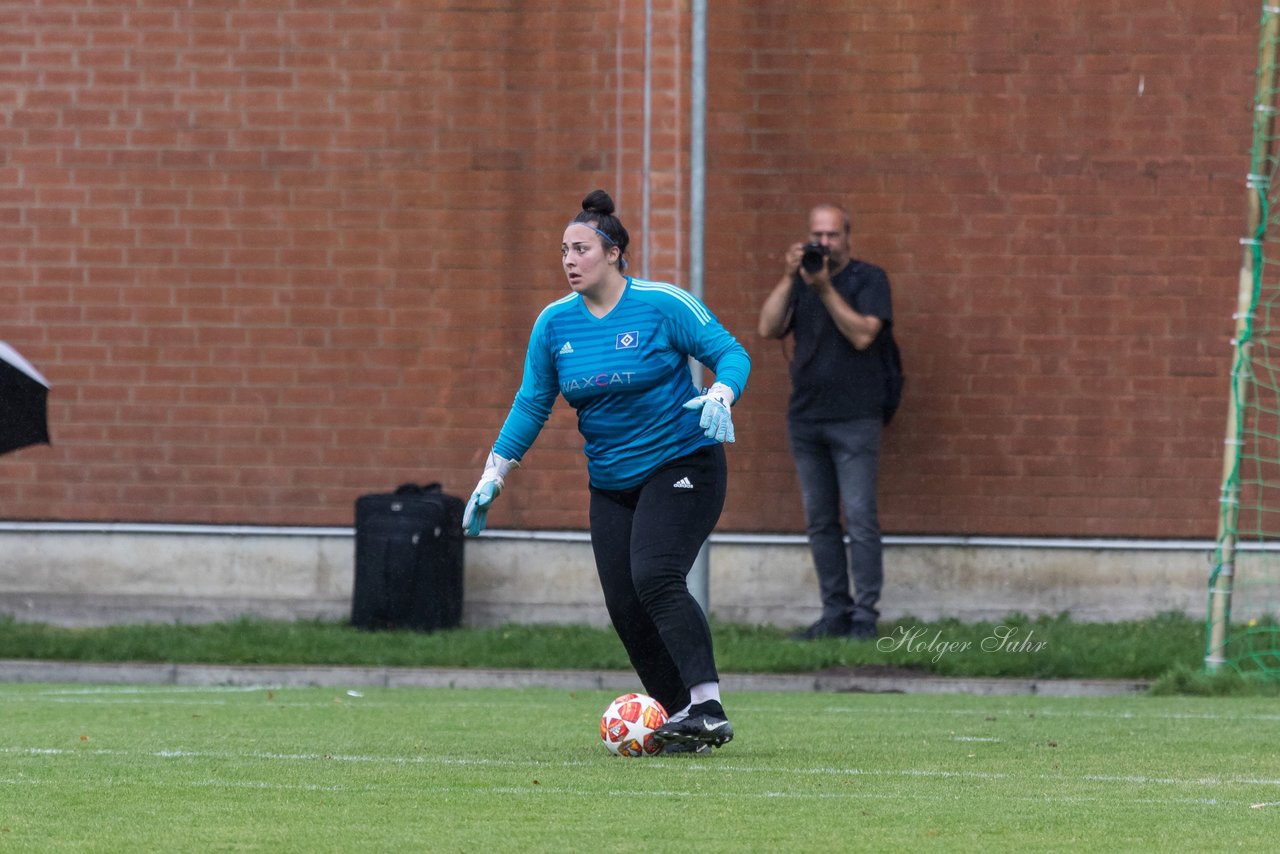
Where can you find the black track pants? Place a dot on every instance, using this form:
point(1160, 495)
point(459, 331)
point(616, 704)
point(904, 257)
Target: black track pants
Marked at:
point(645, 540)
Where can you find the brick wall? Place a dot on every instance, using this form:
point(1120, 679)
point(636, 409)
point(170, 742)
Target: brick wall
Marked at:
point(273, 255)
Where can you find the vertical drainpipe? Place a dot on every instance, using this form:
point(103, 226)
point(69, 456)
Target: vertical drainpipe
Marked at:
point(646, 162)
point(699, 575)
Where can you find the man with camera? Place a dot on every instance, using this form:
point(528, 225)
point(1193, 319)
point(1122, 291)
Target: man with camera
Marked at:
point(840, 312)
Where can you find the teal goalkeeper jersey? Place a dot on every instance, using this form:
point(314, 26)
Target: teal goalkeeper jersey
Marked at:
point(627, 376)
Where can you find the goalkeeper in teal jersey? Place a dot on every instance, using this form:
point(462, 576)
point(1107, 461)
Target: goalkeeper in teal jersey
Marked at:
point(617, 350)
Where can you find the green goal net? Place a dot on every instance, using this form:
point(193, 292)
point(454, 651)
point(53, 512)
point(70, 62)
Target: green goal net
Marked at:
point(1242, 630)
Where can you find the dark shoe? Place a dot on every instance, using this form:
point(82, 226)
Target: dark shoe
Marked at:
point(824, 628)
point(686, 747)
point(863, 630)
point(706, 724)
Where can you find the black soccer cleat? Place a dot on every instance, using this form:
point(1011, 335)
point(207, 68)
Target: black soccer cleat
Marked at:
point(705, 724)
point(825, 628)
point(863, 630)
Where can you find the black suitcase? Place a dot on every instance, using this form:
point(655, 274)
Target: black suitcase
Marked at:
point(409, 556)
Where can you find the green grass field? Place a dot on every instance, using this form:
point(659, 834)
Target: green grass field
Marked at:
point(115, 768)
point(1059, 648)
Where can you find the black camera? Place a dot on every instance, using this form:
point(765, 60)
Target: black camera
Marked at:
point(814, 257)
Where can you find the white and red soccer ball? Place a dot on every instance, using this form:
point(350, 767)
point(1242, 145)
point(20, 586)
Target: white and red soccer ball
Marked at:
point(627, 726)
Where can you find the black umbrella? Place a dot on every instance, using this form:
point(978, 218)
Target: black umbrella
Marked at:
point(24, 402)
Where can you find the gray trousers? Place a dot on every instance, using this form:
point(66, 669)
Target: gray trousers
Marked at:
point(838, 463)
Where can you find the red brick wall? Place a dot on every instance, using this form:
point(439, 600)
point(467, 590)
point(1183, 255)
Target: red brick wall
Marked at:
point(277, 254)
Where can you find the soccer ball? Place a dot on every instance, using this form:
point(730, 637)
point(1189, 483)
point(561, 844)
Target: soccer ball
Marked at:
point(627, 726)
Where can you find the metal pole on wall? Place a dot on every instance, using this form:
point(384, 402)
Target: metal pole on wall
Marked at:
point(647, 149)
point(699, 575)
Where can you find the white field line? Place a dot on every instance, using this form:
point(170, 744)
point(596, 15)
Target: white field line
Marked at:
point(594, 793)
point(221, 784)
point(451, 761)
point(1046, 713)
point(859, 795)
point(861, 708)
point(259, 784)
point(899, 707)
point(350, 701)
point(109, 701)
point(142, 689)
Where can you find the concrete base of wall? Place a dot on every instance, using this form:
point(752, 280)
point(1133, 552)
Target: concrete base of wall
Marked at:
point(85, 576)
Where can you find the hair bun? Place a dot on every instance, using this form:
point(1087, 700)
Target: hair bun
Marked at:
point(598, 202)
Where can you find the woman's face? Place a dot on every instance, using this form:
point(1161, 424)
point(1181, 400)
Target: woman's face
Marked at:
point(586, 262)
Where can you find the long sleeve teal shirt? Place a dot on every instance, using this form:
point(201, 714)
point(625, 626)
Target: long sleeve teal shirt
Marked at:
point(627, 375)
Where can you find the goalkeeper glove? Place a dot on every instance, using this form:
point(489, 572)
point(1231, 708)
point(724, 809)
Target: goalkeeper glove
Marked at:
point(716, 422)
point(476, 515)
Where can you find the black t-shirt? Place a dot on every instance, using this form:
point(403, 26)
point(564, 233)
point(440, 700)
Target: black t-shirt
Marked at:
point(830, 379)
